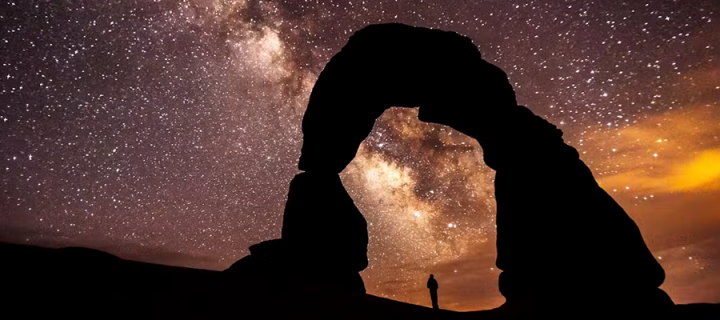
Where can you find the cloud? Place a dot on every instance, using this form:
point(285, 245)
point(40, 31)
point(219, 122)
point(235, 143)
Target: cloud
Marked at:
point(698, 173)
point(677, 151)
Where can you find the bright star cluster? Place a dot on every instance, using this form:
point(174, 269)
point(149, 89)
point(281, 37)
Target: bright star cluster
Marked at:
point(168, 130)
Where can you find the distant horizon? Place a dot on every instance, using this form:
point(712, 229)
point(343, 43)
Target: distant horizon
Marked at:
point(168, 132)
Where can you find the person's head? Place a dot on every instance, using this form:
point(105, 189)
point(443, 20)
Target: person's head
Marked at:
point(432, 276)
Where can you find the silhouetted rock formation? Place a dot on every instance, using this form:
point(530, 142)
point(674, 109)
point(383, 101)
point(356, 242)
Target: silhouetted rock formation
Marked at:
point(560, 236)
point(324, 240)
point(381, 66)
point(324, 231)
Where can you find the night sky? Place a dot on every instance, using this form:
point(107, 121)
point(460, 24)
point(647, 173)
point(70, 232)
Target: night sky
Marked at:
point(168, 131)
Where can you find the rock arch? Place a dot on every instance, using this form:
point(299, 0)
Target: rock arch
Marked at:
point(552, 216)
point(381, 66)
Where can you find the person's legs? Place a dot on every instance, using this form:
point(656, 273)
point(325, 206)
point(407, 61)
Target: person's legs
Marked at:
point(434, 297)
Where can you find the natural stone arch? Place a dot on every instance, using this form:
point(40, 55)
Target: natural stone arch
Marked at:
point(550, 209)
point(380, 67)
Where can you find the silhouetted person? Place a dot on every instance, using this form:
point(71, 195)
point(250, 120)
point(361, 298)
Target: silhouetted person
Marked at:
point(433, 286)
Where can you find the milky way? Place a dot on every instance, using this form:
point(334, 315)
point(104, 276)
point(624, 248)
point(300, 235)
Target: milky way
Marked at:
point(168, 131)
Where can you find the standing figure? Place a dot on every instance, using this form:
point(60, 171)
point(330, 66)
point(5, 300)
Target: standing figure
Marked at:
point(433, 286)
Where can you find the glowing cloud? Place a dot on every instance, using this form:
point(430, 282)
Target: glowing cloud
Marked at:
point(697, 174)
point(682, 155)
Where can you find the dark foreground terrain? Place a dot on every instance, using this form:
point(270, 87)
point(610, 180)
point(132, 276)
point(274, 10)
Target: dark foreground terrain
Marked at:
point(84, 282)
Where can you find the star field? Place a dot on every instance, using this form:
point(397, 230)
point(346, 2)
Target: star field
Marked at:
point(168, 131)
